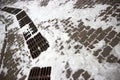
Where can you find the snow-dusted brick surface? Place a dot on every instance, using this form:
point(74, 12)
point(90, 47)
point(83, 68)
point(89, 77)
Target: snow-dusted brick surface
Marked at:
point(83, 37)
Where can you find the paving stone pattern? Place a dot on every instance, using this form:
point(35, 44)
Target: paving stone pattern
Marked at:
point(37, 73)
point(90, 3)
point(89, 37)
point(81, 72)
point(113, 11)
point(36, 44)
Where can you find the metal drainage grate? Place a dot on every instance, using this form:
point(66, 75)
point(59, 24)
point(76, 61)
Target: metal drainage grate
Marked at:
point(36, 44)
point(37, 73)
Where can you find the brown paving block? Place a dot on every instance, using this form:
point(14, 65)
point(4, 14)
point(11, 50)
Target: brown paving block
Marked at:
point(106, 51)
point(80, 28)
point(118, 61)
point(115, 41)
point(101, 14)
point(90, 32)
point(91, 46)
point(100, 59)
point(86, 43)
point(95, 41)
point(108, 30)
point(87, 27)
point(82, 40)
point(101, 36)
point(77, 74)
point(98, 31)
point(68, 73)
point(106, 40)
point(111, 35)
point(92, 37)
point(118, 18)
point(96, 53)
point(118, 10)
point(114, 14)
point(76, 46)
point(86, 75)
point(104, 18)
point(111, 59)
point(81, 34)
point(75, 36)
point(108, 8)
point(118, 34)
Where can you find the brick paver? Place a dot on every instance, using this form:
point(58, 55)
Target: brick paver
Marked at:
point(89, 36)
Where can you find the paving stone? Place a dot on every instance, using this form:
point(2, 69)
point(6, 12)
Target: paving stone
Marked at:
point(92, 37)
point(76, 46)
point(111, 35)
point(80, 28)
point(106, 40)
point(96, 53)
point(82, 40)
point(114, 42)
point(101, 36)
point(75, 36)
point(108, 30)
point(21, 15)
point(90, 32)
point(100, 59)
point(118, 61)
point(68, 73)
point(106, 51)
point(114, 14)
point(86, 43)
point(98, 31)
point(86, 75)
point(95, 41)
point(87, 28)
point(118, 18)
point(108, 8)
point(118, 34)
point(81, 34)
point(91, 46)
point(77, 74)
point(101, 14)
point(111, 59)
